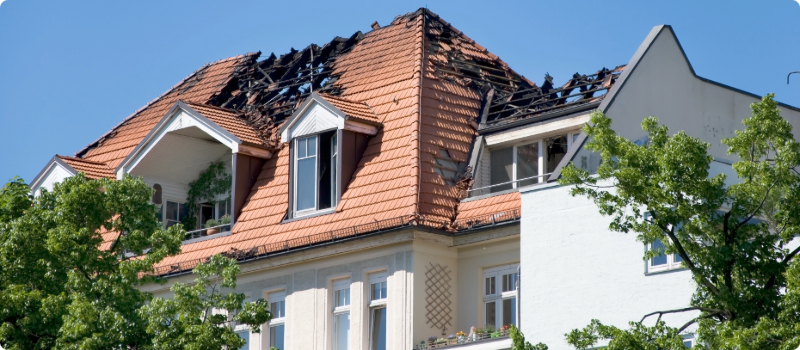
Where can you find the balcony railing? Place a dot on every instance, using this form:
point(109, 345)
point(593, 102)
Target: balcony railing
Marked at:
point(462, 340)
point(507, 185)
point(208, 231)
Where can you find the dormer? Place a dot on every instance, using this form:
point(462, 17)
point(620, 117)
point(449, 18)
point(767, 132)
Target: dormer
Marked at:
point(327, 136)
point(188, 141)
point(62, 167)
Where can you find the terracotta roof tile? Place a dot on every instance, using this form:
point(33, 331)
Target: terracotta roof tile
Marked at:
point(229, 120)
point(358, 111)
point(92, 169)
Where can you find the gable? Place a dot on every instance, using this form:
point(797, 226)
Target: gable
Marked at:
point(315, 120)
point(53, 173)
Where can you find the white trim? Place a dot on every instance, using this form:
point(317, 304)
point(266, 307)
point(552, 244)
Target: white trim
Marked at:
point(539, 130)
point(672, 263)
point(499, 296)
point(48, 170)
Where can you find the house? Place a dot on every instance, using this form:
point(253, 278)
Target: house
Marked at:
point(379, 189)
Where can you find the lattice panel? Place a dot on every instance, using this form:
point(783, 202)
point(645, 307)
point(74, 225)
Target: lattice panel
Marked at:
point(437, 291)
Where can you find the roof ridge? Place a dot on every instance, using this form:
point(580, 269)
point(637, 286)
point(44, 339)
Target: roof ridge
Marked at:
point(136, 112)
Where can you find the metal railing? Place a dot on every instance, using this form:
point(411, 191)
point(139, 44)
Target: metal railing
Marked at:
point(502, 186)
point(461, 340)
point(208, 231)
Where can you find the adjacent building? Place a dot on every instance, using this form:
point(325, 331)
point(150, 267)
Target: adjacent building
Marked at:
point(392, 188)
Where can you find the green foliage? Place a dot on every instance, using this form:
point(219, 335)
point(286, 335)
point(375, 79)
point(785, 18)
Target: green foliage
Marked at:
point(658, 337)
point(211, 183)
point(734, 239)
point(58, 287)
point(61, 287)
point(211, 223)
point(518, 341)
point(198, 316)
point(225, 219)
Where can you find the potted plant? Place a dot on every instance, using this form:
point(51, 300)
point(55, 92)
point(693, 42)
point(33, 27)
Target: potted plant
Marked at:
point(503, 330)
point(211, 227)
point(431, 341)
point(225, 219)
point(451, 339)
point(461, 336)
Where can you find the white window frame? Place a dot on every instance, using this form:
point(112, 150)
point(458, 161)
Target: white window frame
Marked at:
point(571, 135)
point(340, 285)
point(381, 303)
point(498, 296)
point(276, 297)
point(240, 328)
point(335, 158)
point(672, 263)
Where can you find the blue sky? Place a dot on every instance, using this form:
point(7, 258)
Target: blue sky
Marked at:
point(71, 70)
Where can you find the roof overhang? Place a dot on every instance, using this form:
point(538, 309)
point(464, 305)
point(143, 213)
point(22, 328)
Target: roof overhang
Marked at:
point(51, 165)
point(182, 116)
point(342, 121)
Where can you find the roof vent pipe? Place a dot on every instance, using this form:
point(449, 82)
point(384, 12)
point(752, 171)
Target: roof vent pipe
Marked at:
point(375, 25)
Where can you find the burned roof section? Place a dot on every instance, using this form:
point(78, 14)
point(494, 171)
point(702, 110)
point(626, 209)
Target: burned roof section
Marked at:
point(530, 104)
point(270, 90)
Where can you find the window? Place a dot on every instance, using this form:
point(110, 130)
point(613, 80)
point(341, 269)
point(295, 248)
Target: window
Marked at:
point(446, 167)
point(315, 165)
point(662, 262)
point(377, 311)
point(277, 306)
point(526, 163)
point(243, 331)
point(341, 314)
point(500, 296)
point(175, 213)
point(688, 340)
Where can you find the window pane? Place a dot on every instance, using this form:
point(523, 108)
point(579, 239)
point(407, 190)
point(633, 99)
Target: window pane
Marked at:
point(172, 211)
point(661, 259)
point(509, 311)
point(575, 137)
point(509, 282)
point(341, 322)
point(342, 297)
point(301, 148)
point(276, 337)
point(378, 291)
point(312, 146)
point(501, 168)
point(491, 309)
point(556, 150)
point(246, 336)
point(306, 184)
point(378, 334)
point(383, 290)
point(527, 164)
point(278, 309)
point(678, 258)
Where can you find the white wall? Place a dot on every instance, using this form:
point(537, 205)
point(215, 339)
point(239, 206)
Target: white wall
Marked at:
point(662, 85)
point(56, 174)
point(574, 270)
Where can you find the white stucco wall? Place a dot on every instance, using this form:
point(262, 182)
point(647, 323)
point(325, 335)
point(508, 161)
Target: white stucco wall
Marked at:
point(574, 270)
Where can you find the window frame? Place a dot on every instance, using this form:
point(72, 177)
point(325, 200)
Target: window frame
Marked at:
point(541, 176)
point(243, 328)
point(181, 207)
point(373, 304)
point(336, 166)
point(276, 297)
point(340, 285)
point(671, 264)
point(499, 296)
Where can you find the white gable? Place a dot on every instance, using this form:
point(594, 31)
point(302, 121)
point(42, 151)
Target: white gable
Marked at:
point(55, 174)
point(314, 120)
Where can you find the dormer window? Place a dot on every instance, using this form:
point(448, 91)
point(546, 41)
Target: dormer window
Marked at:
point(315, 159)
point(325, 144)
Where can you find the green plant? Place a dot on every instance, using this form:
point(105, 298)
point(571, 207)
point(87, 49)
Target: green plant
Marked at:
point(211, 183)
point(211, 223)
point(225, 219)
point(518, 341)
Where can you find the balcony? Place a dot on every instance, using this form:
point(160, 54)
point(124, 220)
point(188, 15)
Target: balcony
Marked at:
point(214, 231)
point(496, 340)
point(508, 185)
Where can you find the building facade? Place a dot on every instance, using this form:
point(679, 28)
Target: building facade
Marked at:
point(391, 189)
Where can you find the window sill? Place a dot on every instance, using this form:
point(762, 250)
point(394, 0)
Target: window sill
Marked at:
point(315, 214)
point(662, 271)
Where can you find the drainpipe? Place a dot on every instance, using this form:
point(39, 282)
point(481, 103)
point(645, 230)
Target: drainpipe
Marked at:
point(519, 296)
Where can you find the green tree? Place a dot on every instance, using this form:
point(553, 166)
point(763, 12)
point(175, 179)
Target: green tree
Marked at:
point(61, 287)
point(735, 240)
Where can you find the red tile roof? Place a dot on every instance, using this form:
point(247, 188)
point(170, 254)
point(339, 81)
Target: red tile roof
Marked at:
point(389, 76)
point(357, 111)
point(199, 87)
point(92, 170)
point(230, 120)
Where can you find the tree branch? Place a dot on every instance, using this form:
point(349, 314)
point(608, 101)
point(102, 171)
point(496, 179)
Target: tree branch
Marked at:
point(660, 313)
